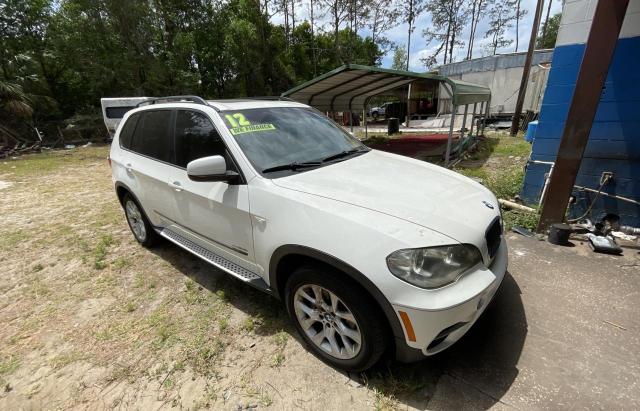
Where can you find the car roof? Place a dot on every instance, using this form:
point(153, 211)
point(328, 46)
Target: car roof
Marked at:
point(243, 104)
point(224, 105)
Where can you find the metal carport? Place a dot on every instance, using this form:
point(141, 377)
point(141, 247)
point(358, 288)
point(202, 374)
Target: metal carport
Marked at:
point(349, 88)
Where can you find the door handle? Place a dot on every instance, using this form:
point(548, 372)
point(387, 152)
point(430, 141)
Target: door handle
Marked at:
point(176, 186)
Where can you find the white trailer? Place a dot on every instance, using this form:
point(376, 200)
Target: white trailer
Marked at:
point(113, 109)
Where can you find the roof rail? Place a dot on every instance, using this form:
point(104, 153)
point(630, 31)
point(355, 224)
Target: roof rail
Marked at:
point(280, 98)
point(186, 99)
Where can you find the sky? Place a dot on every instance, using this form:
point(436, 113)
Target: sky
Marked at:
point(420, 49)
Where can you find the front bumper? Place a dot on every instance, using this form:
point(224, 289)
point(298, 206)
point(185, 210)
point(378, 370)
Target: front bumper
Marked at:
point(431, 331)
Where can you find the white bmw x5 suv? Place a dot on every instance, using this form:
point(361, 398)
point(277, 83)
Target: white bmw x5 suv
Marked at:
point(370, 251)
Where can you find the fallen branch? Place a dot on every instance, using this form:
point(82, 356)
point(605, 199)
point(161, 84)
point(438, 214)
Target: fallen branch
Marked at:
point(511, 204)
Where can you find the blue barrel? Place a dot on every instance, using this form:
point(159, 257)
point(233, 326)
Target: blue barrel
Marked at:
point(530, 135)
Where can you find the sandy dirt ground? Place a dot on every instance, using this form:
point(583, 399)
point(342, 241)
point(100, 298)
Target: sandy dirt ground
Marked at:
point(91, 320)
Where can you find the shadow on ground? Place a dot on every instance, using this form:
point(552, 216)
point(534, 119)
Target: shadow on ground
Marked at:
point(474, 373)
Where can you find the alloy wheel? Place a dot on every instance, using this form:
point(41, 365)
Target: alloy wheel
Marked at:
point(327, 321)
point(134, 216)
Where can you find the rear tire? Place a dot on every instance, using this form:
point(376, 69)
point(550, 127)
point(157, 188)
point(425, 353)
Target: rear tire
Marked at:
point(338, 322)
point(138, 222)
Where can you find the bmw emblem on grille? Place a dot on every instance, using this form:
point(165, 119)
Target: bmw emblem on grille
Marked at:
point(488, 204)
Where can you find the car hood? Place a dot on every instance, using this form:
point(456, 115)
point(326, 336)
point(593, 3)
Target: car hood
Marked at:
point(409, 189)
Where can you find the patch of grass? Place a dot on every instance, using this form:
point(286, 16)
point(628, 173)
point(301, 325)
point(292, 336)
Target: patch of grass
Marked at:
point(281, 343)
point(116, 330)
point(65, 359)
point(38, 288)
point(512, 146)
point(263, 398)
point(121, 263)
point(100, 252)
point(164, 327)
point(278, 359)
point(129, 307)
point(477, 173)
point(507, 183)
point(375, 139)
point(33, 165)
point(138, 280)
point(521, 218)
point(194, 293)
point(9, 364)
point(384, 402)
point(220, 294)
point(119, 373)
point(223, 323)
point(250, 323)
point(12, 239)
point(37, 267)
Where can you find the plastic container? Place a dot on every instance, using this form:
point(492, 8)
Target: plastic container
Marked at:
point(530, 135)
point(559, 234)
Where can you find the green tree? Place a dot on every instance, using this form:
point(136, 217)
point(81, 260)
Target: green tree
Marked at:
point(501, 16)
point(547, 39)
point(399, 58)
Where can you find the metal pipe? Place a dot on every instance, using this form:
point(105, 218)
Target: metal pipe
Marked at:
point(464, 119)
point(546, 185)
point(602, 193)
point(351, 120)
point(448, 152)
point(408, 104)
point(486, 114)
point(473, 116)
point(350, 117)
point(364, 109)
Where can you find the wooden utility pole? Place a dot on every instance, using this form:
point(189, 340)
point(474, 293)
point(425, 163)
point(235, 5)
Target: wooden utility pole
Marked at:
point(526, 69)
point(603, 37)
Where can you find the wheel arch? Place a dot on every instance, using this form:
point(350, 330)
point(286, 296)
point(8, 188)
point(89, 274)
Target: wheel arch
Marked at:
point(288, 256)
point(122, 189)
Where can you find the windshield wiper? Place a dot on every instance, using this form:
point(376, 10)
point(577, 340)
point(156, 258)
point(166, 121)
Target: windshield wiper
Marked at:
point(345, 153)
point(292, 166)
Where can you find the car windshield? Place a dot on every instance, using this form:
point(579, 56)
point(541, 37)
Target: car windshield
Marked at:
point(289, 139)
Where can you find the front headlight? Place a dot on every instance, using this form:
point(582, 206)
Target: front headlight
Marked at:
point(433, 267)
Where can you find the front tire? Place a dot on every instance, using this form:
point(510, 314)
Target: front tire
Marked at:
point(335, 318)
point(138, 222)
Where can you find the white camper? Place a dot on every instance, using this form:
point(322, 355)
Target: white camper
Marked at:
point(113, 109)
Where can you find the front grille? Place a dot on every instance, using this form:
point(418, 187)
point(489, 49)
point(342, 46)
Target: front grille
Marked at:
point(493, 236)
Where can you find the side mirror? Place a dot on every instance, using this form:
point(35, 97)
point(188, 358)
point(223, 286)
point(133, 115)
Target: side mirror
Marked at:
point(213, 168)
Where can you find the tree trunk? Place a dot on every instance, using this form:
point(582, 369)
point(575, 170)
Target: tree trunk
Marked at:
point(517, 24)
point(546, 20)
point(410, 21)
point(336, 28)
point(313, 39)
point(473, 19)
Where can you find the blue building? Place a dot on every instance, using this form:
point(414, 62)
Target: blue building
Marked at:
point(614, 142)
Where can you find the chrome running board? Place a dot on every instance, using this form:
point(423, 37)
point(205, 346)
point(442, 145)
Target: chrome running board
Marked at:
point(217, 261)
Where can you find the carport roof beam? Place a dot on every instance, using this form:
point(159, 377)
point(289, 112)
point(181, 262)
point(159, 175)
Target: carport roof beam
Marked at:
point(334, 84)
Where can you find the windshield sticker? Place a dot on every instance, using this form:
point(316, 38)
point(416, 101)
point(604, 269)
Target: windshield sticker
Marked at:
point(250, 129)
point(237, 119)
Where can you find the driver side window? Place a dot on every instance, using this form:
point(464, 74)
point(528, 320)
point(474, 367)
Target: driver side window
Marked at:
point(196, 137)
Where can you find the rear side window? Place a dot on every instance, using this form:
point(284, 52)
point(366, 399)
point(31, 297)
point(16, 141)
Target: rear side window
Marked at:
point(152, 136)
point(127, 131)
point(195, 138)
